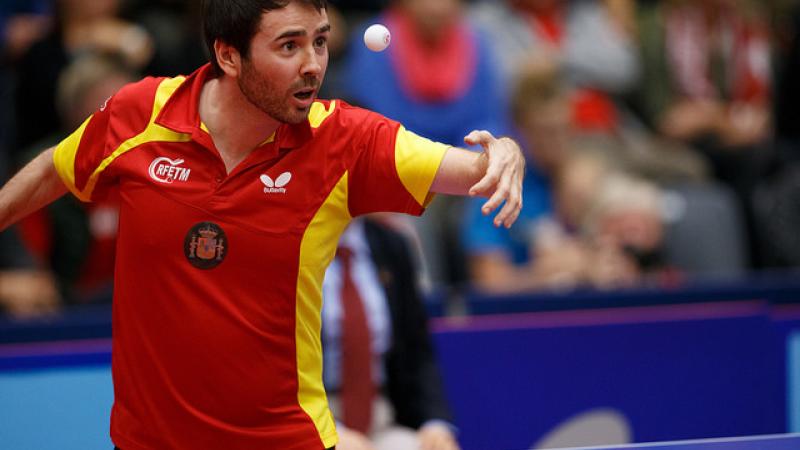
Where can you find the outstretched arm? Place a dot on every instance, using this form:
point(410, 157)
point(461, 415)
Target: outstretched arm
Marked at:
point(33, 187)
point(496, 173)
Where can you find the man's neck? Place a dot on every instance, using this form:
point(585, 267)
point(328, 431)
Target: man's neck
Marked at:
point(236, 126)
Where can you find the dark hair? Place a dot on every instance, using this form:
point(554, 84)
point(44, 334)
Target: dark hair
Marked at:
point(235, 22)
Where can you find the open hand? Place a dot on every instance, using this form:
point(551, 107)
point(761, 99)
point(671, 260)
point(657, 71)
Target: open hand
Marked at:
point(502, 182)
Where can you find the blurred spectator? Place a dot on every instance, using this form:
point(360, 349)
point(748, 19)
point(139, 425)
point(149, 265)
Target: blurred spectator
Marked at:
point(707, 83)
point(75, 240)
point(379, 366)
point(436, 77)
point(620, 219)
point(708, 71)
point(439, 79)
point(175, 27)
point(22, 22)
point(591, 45)
point(79, 26)
point(589, 41)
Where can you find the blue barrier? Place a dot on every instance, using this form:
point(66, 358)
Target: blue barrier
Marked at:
point(666, 372)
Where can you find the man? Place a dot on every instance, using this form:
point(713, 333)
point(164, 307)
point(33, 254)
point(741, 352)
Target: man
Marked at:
point(380, 370)
point(234, 185)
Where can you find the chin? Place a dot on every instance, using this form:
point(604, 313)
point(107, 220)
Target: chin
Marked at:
point(298, 117)
point(300, 114)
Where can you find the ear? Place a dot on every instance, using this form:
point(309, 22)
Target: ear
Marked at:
point(228, 58)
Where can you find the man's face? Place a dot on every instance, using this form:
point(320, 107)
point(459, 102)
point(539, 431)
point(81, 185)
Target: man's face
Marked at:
point(287, 61)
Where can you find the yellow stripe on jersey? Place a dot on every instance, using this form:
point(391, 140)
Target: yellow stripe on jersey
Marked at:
point(417, 160)
point(318, 113)
point(64, 157)
point(317, 249)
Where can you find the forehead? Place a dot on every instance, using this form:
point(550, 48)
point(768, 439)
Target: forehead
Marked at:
point(296, 16)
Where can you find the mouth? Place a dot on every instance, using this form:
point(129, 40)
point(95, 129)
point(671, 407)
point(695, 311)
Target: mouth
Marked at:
point(305, 96)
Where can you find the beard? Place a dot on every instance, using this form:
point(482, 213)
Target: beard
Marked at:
point(262, 93)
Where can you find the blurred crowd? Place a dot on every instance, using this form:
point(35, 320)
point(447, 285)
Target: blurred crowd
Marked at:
point(662, 136)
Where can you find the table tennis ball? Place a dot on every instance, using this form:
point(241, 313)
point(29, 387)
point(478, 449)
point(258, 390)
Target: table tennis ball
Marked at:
point(377, 37)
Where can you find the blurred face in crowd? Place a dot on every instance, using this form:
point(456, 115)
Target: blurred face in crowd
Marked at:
point(545, 128)
point(433, 16)
point(286, 63)
point(629, 214)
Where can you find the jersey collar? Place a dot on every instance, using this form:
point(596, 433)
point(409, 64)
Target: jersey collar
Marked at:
point(181, 113)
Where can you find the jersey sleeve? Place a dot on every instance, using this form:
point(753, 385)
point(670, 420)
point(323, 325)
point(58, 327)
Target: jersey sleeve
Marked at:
point(394, 171)
point(84, 159)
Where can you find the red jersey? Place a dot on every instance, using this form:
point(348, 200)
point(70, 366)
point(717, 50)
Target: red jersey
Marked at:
point(216, 316)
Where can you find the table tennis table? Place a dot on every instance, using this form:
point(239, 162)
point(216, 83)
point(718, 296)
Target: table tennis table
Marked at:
point(765, 442)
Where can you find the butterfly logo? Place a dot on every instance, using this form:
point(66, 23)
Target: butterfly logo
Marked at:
point(278, 186)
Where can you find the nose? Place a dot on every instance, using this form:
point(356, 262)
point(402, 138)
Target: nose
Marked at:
point(313, 63)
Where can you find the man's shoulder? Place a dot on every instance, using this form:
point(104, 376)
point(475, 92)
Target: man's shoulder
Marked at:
point(139, 93)
point(134, 101)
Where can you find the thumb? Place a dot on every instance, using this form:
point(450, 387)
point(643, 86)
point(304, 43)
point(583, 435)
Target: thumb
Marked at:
point(478, 137)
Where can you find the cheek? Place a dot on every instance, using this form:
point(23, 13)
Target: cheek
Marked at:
point(323, 61)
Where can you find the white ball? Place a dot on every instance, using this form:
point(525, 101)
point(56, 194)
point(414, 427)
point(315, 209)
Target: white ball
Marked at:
point(377, 37)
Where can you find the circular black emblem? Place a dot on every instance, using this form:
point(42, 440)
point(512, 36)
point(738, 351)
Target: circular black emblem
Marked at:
point(205, 245)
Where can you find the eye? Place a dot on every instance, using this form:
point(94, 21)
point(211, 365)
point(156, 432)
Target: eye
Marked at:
point(321, 42)
point(289, 46)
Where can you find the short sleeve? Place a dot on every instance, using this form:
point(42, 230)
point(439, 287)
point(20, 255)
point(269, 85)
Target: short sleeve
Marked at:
point(394, 170)
point(79, 158)
point(84, 159)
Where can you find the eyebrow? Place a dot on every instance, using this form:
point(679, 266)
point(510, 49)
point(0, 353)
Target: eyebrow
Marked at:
point(297, 33)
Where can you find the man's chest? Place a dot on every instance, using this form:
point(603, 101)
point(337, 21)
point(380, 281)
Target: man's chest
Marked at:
point(270, 190)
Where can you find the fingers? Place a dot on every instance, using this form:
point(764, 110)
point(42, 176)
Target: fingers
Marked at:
point(486, 185)
point(500, 194)
point(502, 181)
point(510, 191)
point(479, 137)
point(510, 211)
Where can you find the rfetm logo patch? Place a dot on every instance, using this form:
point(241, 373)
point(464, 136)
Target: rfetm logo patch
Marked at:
point(205, 245)
point(165, 170)
point(277, 186)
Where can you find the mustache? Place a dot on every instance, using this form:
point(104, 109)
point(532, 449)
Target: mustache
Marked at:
point(307, 83)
